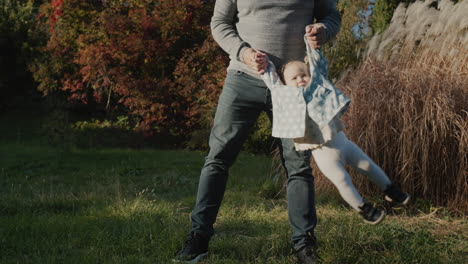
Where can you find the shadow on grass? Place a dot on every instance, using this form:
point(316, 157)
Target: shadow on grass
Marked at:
point(250, 241)
point(20, 207)
point(111, 238)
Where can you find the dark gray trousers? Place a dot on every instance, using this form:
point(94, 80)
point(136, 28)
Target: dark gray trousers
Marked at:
point(242, 100)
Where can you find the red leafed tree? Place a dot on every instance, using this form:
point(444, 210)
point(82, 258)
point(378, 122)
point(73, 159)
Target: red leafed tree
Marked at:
point(55, 13)
point(154, 59)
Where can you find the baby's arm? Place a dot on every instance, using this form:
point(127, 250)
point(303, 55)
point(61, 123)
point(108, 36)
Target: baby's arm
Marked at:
point(270, 76)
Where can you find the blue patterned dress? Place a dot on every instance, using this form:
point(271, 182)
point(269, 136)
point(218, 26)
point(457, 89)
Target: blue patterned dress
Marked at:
point(311, 114)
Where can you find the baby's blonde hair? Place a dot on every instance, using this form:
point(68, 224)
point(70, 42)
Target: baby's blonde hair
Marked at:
point(283, 68)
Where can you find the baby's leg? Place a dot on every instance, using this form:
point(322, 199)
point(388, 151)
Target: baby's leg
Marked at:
point(329, 162)
point(357, 159)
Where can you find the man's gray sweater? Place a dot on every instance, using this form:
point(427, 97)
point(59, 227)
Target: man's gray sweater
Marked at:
point(276, 27)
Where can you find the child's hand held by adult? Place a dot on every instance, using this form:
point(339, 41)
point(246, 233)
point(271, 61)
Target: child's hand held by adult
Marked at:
point(315, 35)
point(256, 60)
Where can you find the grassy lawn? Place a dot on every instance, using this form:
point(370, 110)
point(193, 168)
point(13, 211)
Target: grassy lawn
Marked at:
point(133, 206)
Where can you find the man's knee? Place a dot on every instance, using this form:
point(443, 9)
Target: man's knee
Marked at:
point(214, 165)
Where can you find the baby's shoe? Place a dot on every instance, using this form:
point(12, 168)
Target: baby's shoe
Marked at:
point(393, 194)
point(371, 214)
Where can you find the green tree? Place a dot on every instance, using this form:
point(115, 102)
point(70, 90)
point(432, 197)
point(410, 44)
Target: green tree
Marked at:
point(344, 52)
point(382, 13)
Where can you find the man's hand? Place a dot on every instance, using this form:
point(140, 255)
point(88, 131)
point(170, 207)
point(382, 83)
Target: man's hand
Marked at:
point(256, 60)
point(315, 35)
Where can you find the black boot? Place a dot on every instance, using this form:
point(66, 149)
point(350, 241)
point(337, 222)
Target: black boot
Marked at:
point(371, 214)
point(393, 194)
point(307, 255)
point(195, 249)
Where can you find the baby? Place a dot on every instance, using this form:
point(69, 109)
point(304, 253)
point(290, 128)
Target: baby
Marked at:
point(338, 151)
point(295, 73)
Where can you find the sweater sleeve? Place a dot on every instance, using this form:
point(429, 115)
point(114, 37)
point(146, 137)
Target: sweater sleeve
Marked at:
point(326, 14)
point(224, 31)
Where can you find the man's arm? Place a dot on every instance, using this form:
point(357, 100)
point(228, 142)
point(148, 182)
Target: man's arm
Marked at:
point(327, 26)
point(224, 31)
point(327, 15)
point(225, 34)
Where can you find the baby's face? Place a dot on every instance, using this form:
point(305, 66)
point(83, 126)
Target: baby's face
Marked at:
point(296, 74)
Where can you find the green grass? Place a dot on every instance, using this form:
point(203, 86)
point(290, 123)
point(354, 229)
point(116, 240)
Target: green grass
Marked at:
point(71, 205)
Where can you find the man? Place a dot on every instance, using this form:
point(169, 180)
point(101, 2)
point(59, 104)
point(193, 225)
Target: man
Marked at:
point(250, 30)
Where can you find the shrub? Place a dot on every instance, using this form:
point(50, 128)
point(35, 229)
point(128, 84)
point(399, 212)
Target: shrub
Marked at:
point(155, 62)
point(260, 140)
point(106, 133)
point(199, 77)
point(121, 55)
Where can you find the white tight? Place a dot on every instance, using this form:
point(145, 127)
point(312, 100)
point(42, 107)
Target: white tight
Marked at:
point(340, 151)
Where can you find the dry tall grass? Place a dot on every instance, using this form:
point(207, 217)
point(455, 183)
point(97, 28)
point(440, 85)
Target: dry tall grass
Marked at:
point(409, 108)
